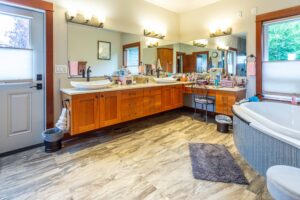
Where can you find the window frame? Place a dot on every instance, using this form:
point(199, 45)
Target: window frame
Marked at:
point(260, 19)
point(131, 45)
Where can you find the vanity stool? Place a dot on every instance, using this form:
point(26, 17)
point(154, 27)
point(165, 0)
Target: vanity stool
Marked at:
point(201, 97)
point(283, 182)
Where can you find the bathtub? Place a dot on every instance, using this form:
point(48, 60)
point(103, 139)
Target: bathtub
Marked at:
point(267, 134)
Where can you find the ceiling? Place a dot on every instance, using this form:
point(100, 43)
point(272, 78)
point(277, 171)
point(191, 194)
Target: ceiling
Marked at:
point(180, 6)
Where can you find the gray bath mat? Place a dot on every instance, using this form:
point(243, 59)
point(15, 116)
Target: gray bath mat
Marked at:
point(213, 162)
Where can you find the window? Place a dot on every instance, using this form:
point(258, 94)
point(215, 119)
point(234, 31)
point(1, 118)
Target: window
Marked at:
point(15, 43)
point(131, 57)
point(14, 31)
point(281, 60)
point(282, 40)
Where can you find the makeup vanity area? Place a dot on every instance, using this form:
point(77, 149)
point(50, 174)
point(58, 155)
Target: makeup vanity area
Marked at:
point(92, 109)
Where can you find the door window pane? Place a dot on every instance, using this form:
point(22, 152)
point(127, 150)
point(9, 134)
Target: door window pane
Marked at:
point(14, 31)
point(15, 64)
point(16, 58)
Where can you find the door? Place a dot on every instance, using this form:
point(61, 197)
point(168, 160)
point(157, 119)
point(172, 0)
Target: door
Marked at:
point(22, 64)
point(110, 104)
point(85, 113)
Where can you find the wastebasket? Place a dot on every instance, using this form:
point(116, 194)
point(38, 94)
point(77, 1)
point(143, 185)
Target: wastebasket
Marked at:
point(52, 139)
point(223, 123)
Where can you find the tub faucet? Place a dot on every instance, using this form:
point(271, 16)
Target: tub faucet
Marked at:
point(88, 74)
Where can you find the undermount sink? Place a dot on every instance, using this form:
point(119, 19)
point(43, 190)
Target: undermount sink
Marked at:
point(91, 85)
point(165, 80)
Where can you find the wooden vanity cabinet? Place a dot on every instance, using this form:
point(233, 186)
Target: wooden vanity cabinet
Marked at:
point(84, 113)
point(90, 112)
point(110, 112)
point(225, 101)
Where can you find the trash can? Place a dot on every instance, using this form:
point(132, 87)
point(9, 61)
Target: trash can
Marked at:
point(52, 139)
point(223, 123)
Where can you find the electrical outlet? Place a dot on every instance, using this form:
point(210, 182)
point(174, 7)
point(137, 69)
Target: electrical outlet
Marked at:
point(61, 69)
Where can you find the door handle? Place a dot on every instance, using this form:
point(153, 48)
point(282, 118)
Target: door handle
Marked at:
point(38, 86)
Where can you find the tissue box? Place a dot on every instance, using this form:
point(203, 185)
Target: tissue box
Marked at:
point(227, 83)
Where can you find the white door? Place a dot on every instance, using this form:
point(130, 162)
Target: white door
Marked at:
point(22, 64)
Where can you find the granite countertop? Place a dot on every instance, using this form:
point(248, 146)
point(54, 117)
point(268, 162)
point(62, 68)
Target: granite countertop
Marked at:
point(74, 91)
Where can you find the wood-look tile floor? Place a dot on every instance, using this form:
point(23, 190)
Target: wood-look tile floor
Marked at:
point(144, 159)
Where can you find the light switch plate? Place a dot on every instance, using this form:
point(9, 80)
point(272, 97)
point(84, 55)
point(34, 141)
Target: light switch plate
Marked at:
point(61, 69)
point(253, 11)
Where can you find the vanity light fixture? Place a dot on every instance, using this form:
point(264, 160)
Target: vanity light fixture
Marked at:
point(220, 29)
point(84, 19)
point(200, 43)
point(222, 47)
point(154, 34)
point(152, 42)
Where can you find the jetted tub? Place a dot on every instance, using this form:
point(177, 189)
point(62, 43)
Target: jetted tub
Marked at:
point(267, 134)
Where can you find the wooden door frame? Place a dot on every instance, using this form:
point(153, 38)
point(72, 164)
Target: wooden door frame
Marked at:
point(135, 44)
point(48, 8)
point(260, 19)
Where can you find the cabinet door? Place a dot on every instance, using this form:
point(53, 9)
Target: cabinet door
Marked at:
point(131, 108)
point(152, 101)
point(221, 104)
point(84, 113)
point(110, 103)
point(230, 102)
point(152, 104)
point(167, 96)
point(177, 96)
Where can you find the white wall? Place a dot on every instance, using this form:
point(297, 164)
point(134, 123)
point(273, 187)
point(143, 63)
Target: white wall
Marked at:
point(195, 24)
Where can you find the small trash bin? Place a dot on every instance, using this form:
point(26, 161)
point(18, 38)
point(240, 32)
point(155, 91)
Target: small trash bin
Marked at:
point(223, 123)
point(52, 139)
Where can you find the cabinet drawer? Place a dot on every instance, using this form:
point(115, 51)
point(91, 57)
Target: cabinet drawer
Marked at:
point(132, 94)
point(152, 91)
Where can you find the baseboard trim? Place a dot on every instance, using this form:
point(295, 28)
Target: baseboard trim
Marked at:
point(209, 113)
point(20, 150)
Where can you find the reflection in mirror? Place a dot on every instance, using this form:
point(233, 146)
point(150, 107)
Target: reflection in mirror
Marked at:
point(162, 55)
point(125, 50)
point(226, 52)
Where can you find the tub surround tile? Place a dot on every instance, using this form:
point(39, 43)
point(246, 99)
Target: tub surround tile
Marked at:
point(146, 159)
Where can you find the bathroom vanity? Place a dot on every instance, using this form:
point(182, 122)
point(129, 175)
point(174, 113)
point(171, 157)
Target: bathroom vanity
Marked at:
point(95, 109)
point(92, 109)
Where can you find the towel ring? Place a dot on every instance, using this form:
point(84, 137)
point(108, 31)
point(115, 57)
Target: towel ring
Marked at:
point(251, 58)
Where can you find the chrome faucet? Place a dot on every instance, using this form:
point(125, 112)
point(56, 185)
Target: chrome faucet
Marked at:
point(88, 73)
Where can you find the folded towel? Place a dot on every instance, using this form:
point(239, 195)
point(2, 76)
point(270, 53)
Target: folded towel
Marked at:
point(63, 122)
point(251, 71)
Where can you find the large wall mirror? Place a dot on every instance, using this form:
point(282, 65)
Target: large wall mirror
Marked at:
point(106, 51)
point(226, 52)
